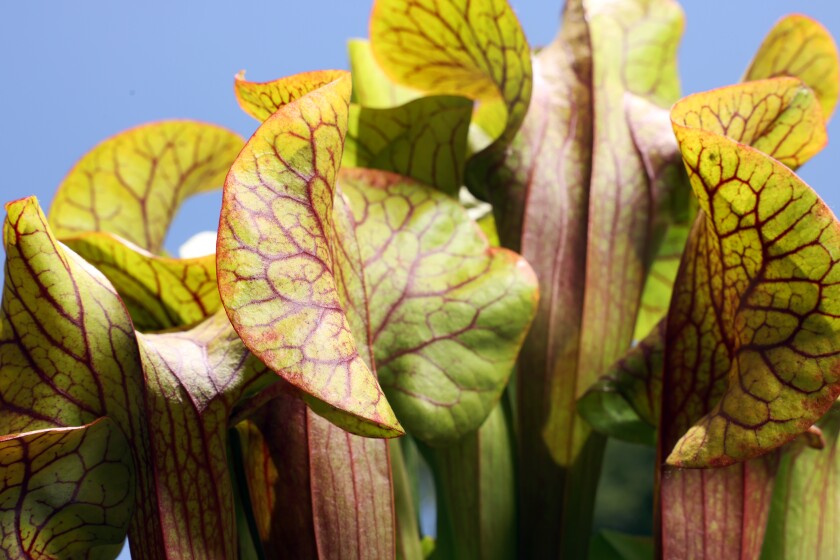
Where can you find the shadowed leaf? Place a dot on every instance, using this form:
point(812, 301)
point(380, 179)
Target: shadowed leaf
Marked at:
point(65, 492)
point(159, 292)
point(799, 46)
point(132, 184)
point(193, 381)
point(308, 501)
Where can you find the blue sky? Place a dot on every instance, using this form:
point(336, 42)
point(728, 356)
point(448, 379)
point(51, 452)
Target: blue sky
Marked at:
point(74, 73)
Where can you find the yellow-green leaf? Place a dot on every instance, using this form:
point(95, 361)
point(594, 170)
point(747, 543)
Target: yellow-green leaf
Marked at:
point(753, 343)
point(425, 45)
point(68, 355)
point(132, 184)
point(65, 492)
point(800, 46)
point(424, 139)
point(276, 264)
point(371, 87)
point(262, 99)
point(159, 292)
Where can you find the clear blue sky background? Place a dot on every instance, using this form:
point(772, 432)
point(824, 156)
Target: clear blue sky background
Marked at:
point(73, 73)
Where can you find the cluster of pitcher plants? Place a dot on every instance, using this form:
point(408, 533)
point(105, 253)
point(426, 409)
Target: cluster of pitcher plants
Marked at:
point(465, 254)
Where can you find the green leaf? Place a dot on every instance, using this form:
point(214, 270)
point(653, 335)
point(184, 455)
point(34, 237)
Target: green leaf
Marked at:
point(801, 47)
point(159, 292)
point(805, 511)
point(625, 401)
point(371, 87)
point(406, 514)
point(673, 207)
point(132, 184)
point(618, 546)
point(424, 139)
point(275, 261)
point(66, 492)
point(476, 507)
point(446, 312)
point(422, 44)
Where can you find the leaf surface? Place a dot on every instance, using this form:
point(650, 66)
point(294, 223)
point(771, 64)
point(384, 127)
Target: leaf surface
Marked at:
point(751, 336)
point(425, 139)
point(65, 492)
point(446, 312)
point(132, 184)
point(262, 99)
point(68, 355)
point(422, 44)
point(275, 259)
point(575, 196)
point(159, 292)
point(371, 86)
point(800, 46)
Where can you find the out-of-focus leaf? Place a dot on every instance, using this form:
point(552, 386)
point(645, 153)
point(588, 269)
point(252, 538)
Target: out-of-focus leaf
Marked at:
point(618, 546)
point(275, 261)
point(625, 401)
point(132, 184)
point(65, 492)
point(446, 313)
point(405, 507)
point(805, 509)
point(371, 87)
point(423, 44)
point(476, 508)
point(159, 292)
point(799, 46)
point(262, 99)
point(674, 208)
point(424, 139)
